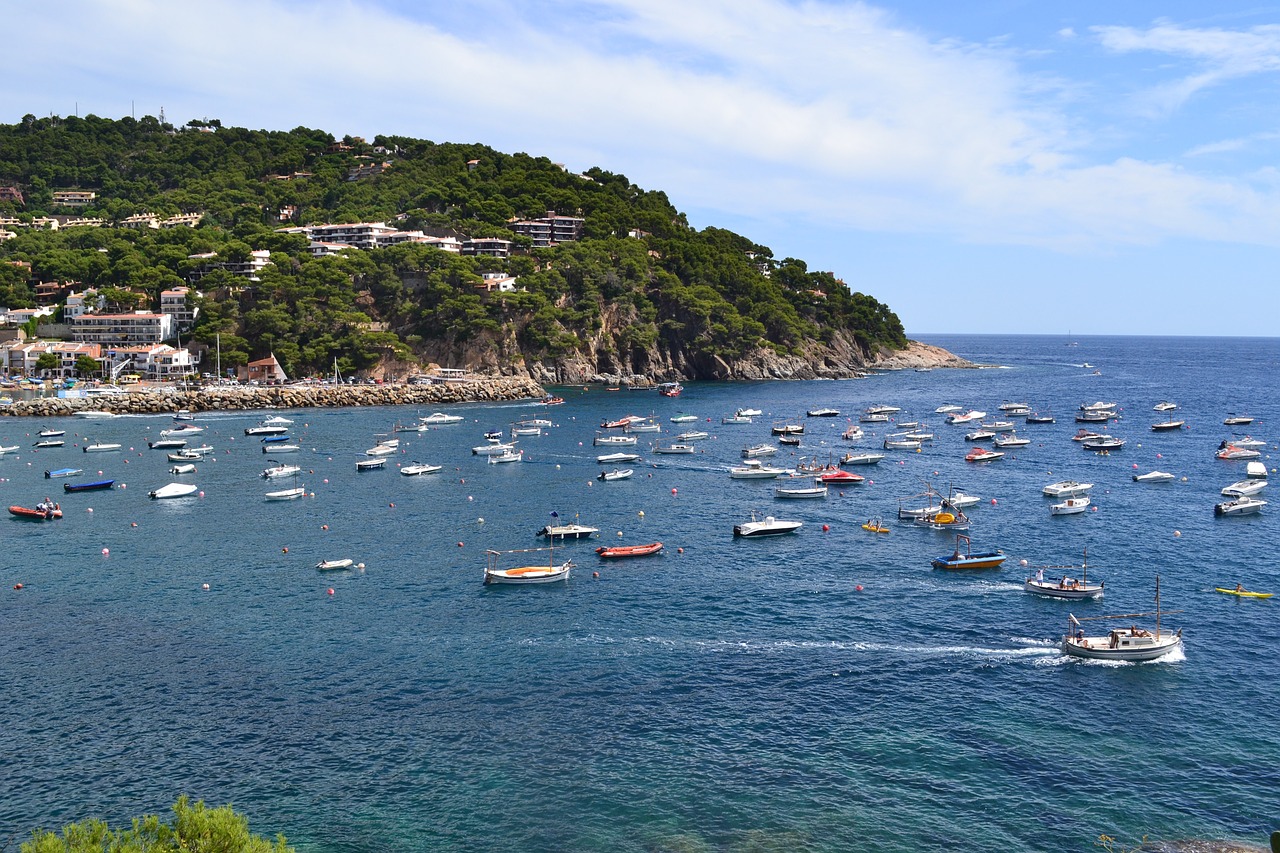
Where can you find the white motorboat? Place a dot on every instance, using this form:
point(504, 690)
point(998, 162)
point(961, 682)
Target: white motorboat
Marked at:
point(493, 448)
point(1237, 420)
point(1103, 443)
point(183, 468)
point(278, 470)
point(95, 414)
point(997, 425)
point(287, 494)
point(918, 434)
point(753, 469)
point(568, 531)
point(545, 423)
point(1153, 477)
point(869, 418)
point(758, 450)
point(265, 428)
point(614, 441)
point(372, 464)
point(960, 500)
point(684, 419)
point(692, 435)
point(1239, 506)
point(1070, 506)
point(1244, 488)
point(378, 450)
point(9, 448)
point(417, 469)
point(853, 432)
point(105, 447)
point(524, 575)
point(981, 454)
point(1015, 410)
point(1249, 442)
point(173, 490)
point(1253, 470)
point(167, 444)
point(49, 442)
point(282, 448)
point(823, 413)
point(883, 410)
point(610, 458)
point(643, 426)
point(439, 418)
point(1009, 439)
point(524, 431)
point(277, 420)
point(184, 429)
point(674, 448)
point(1165, 406)
point(861, 458)
point(1099, 406)
point(748, 413)
point(1066, 489)
point(1131, 644)
point(901, 443)
point(767, 526)
point(979, 435)
point(615, 474)
point(947, 409)
point(512, 455)
point(58, 433)
point(965, 417)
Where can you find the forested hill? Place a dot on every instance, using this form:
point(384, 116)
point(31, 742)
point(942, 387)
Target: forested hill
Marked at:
point(641, 292)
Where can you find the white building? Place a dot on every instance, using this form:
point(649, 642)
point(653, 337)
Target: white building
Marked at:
point(123, 330)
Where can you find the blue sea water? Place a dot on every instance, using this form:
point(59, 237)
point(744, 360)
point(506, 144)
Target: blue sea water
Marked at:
point(826, 691)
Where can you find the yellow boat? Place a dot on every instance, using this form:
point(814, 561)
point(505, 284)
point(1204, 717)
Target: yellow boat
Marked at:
point(1243, 593)
point(874, 526)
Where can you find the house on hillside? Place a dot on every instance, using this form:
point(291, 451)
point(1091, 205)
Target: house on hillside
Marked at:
point(265, 371)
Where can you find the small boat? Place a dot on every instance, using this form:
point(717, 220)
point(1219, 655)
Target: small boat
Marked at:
point(1099, 406)
point(965, 417)
point(853, 432)
point(287, 494)
point(620, 423)
point(10, 448)
point(1242, 592)
point(440, 418)
point(869, 418)
point(615, 474)
point(183, 468)
point(758, 450)
point(901, 443)
point(49, 442)
point(1249, 441)
point(1165, 406)
point(960, 500)
point(968, 560)
point(266, 429)
point(43, 511)
point(1239, 506)
point(1231, 451)
point(1134, 644)
point(417, 469)
point(1094, 417)
point(980, 435)
point(767, 526)
point(1244, 488)
point(787, 429)
point(670, 389)
point(280, 470)
point(643, 426)
point(948, 408)
point(823, 413)
point(947, 519)
point(1066, 489)
point(62, 472)
point(753, 469)
point(997, 426)
point(404, 428)
point(94, 414)
point(814, 489)
point(981, 454)
point(382, 450)
point(167, 444)
point(839, 477)
point(615, 440)
point(493, 448)
point(523, 575)
point(173, 490)
point(51, 433)
point(1256, 470)
point(1009, 439)
point(511, 455)
point(282, 448)
point(568, 531)
point(684, 419)
point(674, 448)
point(551, 400)
point(736, 419)
point(1153, 477)
point(692, 435)
point(183, 415)
point(105, 447)
point(334, 565)
point(1070, 506)
point(371, 464)
point(1037, 418)
point(186, 455)
point(270, 440)
point(202, 449)
point(629, 550)
point(1015, 410)
point(610, 458)
point(789, 440)
point(1085, 435)
point(544, 423)
point(94, 486)
point(1167, 426)
point(883, 410)
point(874, 525)
point(1103, 443)
point(277, 420)
point(1237, 420)
point(1065, 587)
point(861, 458)
point(748, 413)
point(184, 429)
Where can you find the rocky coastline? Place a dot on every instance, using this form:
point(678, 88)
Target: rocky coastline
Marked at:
point(233, 398)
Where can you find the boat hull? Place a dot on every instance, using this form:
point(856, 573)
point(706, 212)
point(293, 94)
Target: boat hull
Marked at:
point(1242, 593)
point(1129, 649)
point(525, 575)
point(31, 514)
point(1051, 589)
point(97, 486)
point(620, 551)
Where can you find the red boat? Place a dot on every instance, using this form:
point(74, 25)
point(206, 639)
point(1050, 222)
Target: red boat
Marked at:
point(840, 476)
point(630, 550)
point(42, 512)
point(552, 401)
point(670, 389)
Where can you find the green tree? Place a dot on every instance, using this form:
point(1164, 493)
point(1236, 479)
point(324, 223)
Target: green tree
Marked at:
point(87, 366)
point(48, 362)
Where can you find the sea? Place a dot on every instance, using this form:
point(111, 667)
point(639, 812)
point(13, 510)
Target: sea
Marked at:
point(821, 691)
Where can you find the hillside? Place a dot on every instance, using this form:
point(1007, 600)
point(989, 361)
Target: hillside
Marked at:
point(638, 292)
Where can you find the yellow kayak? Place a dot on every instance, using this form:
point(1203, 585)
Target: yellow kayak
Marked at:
point(875, 527)
point(1244, 593)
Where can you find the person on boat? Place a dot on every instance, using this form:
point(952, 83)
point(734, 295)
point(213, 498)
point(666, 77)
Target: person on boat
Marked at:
point(1239, 588)
point(1115, 639)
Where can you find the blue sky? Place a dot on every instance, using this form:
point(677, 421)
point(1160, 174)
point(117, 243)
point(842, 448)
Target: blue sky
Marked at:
point(987, 166)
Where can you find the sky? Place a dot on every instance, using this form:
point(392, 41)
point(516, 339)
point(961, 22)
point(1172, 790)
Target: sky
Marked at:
point(1053, 167)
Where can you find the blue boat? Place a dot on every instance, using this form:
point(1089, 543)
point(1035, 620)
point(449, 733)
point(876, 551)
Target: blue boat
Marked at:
point(273, 439)
point(63, 472)
point(95, 486)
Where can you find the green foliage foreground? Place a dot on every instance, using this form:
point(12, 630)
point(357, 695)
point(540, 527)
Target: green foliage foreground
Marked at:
point(195, 829)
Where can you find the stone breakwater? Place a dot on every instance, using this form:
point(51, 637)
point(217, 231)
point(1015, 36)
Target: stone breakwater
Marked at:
point(282, 397)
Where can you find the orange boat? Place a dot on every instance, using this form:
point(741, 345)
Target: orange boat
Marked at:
point(630, 550)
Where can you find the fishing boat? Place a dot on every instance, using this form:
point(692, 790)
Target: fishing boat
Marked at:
point(997, 426)
point(102, 447)
point(674, 448)
point(373, 464)
point(766, 526)
point(173, 490)
point(440, 418)
point(618, 551)
point(611, 458)
point(753, 469)
point(670, 389)
point(334, 565)
point(789, 440)
point(1102, 443)
point(62, 472)
point(417, 469)
point(900, 442)
point(615, 474)
point(1167, 426)
point(1239, 506)
point(511, 455)
point(967, 559)
point(1134, 644)
point(1066, 489)
point(644, 425)
point(1070, 506)
point(1065, 586)
point(1242, 592)
point(94, 486)
point(527, 574)
point(46, 510)
point(1243, 488)
point(1153, 477)
point(869, 418)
